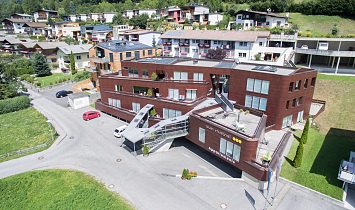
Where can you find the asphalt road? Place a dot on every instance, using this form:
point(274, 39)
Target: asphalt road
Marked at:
point(147, 182)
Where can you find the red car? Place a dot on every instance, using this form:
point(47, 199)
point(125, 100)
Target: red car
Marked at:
point(91, 115)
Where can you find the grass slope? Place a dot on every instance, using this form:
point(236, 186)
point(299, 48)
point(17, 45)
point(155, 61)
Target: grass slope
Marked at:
point(321, 25)
point(57, 189)
point(325, 149)
point(47, 80)
point(17, 130)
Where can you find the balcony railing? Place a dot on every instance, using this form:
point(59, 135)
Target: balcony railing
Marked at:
point(326, 52)
point(100, 60)
point(204, 45)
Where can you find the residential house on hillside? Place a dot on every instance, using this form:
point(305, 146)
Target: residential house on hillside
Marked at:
point(81, 56)
point(143, 36)
point(242, 45)
point(32, 28)
point(14, 45)
point(108, 16)
point(117, 29)
point(247, 19)
point(49, 49)
point(63, 29)
point(43, 14)
point(96, 33)
point(21, 16)
point(14, 26)
point(131, 13)
point(28, 48)
point(106, 57)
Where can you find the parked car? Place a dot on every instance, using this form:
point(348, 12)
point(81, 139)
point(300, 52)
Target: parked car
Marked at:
point(63, 93)
point(91, 115)
point(304, 47)
point(118, 131)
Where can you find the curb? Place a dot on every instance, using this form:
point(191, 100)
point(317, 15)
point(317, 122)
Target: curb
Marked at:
point(214, 178)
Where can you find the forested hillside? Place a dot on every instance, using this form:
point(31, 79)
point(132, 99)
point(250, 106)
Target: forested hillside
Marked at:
point(64, 7)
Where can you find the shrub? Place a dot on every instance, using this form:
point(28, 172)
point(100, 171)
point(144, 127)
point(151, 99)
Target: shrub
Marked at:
point(185, 172)
point(154, 76)
point(258, 57)
point(298, 157)
point(24, 77)
point(152, 113)
point(82, 76)
point(50, 83)
point(55, 65)
point(14, 104)
point(145, 150)
point(30, 79)
point(38, 84)
point(22, 71)
point(308, 34)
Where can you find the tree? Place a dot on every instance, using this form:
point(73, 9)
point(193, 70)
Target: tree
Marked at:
point(40, 65)
point(118, 20)
point(72, 63)
point(297, 161)
point(72, 8)
point(139, 21)
point(304, 136)
point(30, 6)
point(68, 39)
point(50, 21)
point(217, 54)
point(9, 85)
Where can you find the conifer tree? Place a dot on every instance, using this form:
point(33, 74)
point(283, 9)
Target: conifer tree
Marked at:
point(40, 65)
point(298, 157)
point(72, 63)
point(304, 136)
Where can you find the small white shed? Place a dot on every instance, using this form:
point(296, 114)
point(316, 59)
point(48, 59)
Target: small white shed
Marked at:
point(78, 100)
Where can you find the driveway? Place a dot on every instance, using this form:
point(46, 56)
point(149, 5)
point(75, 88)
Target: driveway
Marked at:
point(148, 182)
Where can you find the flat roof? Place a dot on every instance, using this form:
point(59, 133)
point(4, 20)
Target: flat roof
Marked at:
point(230, 119)
point(121, 46)
point(231, 64)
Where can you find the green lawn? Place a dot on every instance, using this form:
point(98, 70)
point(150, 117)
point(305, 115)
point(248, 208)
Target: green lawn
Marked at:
point(18, 131)
point(52, 79)
point(321, 25)
point(325, 149)
point(321, 159)
point(57, 189)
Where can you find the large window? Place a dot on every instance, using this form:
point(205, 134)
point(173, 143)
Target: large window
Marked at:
point(128, 54)
point(136, 107)
point(201, 135)
point(114, 102)
point(78, 57)
point(258, 86)
point(171, 113)
point(145, 73)
point(191, 94)
point(150, 52)
point(198, 76)
point(111, 57)
point(174, 94)
point(243, 44)
point(229, 149)
point(133, 72)
point(256, 102)
point(180, 75)
point(118, 88)
point(313, 81)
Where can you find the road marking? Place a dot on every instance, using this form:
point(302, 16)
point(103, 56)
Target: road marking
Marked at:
point(186, 155)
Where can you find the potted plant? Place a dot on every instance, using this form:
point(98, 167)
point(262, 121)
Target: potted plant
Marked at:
point(145, 150)
point(266, 158)
point(185, 172)
point(154, 76)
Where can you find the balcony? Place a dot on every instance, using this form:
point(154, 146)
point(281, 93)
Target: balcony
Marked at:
point(326, 52)
point(204, 45)
point(100, 60)
point(167, 43)
point(184, 44)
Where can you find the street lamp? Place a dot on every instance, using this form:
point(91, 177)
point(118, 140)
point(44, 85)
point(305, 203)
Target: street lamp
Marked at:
point(50, 128)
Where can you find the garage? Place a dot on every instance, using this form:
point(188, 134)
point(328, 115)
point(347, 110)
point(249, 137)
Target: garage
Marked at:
point(78, 100)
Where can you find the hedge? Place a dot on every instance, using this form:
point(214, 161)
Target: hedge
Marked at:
point(22, 71)
point(14, 104)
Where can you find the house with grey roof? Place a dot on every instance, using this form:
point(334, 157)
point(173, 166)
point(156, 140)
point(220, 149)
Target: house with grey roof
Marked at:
point(81, 56)
point(247, 19)
point(96, 33)
point(49, 49)
point(42, 15)
point(14, 25)
point(14, 45)
point(32, 28)
point(106, 57)
point(141, 35)
point(21, 16)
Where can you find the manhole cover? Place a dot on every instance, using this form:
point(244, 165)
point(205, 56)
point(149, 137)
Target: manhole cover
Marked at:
point(40, 158)
point(111, 186)
point(223, 206)
point(118, 159)
point(71, 137)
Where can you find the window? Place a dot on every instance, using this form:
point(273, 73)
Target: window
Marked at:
point(180, 75)
point(128, 54)
point(290, 87)
point(216, 42)
point(294, 102)
point(201, 135)
point(78, 57)
point(143, 52)
point(170, 113)
point(222, 145)
point(229, 151)
point(236, 152)
point(118, 88)
point(313, 82)
point(267, 23)
point(265, 87)
point(133, 72)
point(262, 105)
point(299, 101)
point(145, 73)
point(111, 57)
point(110, 101)
point(87, 56)
point(250, 84)
point(118, 103)
point(298, 85)
point(150, 52)
point(198, 76)
point(248, 100)
point(174, 94)
point(136, 107)
point(239, 17)
point(243, 44)
point(257, 86)
point(287, 104)
point(255, 103)
point(191, 94)
point(305, 83)
point(243, 55)
point(260, 43)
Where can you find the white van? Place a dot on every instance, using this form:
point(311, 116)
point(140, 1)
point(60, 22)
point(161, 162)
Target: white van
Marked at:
point(118, 131)
point(323, 45)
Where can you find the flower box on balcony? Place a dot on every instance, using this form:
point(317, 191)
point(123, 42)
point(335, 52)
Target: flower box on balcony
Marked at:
point(164, 43)
point(168, 43)
point(203, 55)
point(186, 44)
point(200, 45)
point(181, 44)
point(183, 53)
point(166, 51)
point(207, 45)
